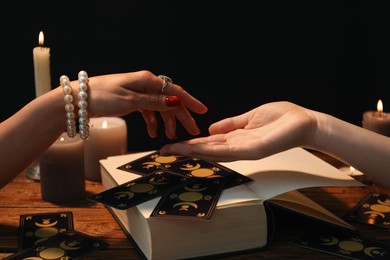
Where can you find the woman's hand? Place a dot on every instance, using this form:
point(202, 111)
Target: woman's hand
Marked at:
point(121, 94)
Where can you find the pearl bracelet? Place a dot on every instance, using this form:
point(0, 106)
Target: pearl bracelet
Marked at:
point(69, 108)
point(83, 104)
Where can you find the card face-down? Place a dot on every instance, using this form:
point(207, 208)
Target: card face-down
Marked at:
point(150, 163)
point(373, 209)
point(190, 167)
point(69, 245)
point(35, 228)
point(196, 200)
point(140, 190)
point(343, 243)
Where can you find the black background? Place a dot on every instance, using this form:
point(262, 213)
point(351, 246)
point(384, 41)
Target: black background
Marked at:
point(331, 56)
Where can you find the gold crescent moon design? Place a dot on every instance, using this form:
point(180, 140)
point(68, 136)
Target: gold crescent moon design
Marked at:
point(386, 202)
point(190, 167)
point(380, 208)
point(148, 165)
point(52, 253)
point(121, 194)
point(373, 249)
point(160, 181)
point(329, 241)
point(195, 188)
point(33, 258)
point(63, 245)
point(202, 172)
point(40, 240)
point(186, 203)
point(46, 224)
point(166, 159)
point(190, 196)
point(375, 213)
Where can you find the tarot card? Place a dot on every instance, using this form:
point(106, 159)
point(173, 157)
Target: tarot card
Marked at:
point(373, 209)
point(340, 243)
point(195, 200)
point(198, 168)
point(35, 228)
point(144, 188)
point(150, 163)
point(69, 245)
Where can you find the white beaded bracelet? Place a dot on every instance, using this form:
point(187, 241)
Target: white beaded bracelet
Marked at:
point(83, 104)
point(69, 108)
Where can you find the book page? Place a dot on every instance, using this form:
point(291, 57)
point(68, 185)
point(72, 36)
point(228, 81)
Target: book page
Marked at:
point(296, 201)
point(290, 170)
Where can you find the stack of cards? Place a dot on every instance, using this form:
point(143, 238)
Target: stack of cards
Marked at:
point(189, 187)
point(51, 236)
point(373, 209)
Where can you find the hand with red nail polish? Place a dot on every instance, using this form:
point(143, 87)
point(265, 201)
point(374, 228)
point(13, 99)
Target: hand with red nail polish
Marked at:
point(143, 91)
point(108, 95)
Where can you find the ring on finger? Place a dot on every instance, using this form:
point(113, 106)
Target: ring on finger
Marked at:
point(167, 80)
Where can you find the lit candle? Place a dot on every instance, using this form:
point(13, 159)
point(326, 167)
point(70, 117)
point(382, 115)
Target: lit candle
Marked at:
point(351, 171)
point(62, 170)
point(377, 121)
point(41, 67)
point(108, 137)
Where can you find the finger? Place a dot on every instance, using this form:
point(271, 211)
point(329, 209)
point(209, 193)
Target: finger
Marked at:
point(156, 102)
point(186, 119)
point(169, 124)
point(228, 124)
point(151, 122)
point(202, 150)
point(187, 100)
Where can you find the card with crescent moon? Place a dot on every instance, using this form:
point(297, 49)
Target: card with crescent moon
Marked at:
point(68, 245)
point(144, 188)
point(342, 243)
point(35, 228)
point(200, 169)
point(191, 167)
point(196, 200)
point(151, 163)
point(373, 209)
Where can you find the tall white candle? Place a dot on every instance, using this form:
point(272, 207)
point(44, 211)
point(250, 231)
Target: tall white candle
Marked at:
point(41, 67)
point(108, 137)
point(62, 170)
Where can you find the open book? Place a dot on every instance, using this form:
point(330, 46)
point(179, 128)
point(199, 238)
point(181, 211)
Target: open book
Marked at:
point(240, 220)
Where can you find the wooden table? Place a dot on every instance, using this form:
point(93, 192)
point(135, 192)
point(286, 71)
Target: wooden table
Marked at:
point(23, 196)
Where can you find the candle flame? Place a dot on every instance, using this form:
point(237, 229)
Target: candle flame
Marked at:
point(62, 139)
point(104, 124)
point(41, 38)
point(379, 106)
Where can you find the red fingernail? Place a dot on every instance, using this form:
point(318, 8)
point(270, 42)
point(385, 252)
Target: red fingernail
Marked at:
point(172, 101)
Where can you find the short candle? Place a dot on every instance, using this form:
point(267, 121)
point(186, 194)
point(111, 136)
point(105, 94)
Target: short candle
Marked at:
point(108, 137)
point(62, 170)
point(377, 121)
